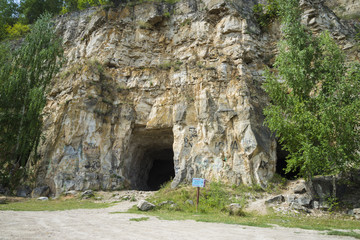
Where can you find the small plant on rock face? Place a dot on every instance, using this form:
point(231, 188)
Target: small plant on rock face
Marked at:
point(266, 14)
point(144, 25)
point(167, 14)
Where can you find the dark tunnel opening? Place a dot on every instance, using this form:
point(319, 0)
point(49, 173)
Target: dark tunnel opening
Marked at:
point(150, 159)
point(162, 169)
point(281, 163)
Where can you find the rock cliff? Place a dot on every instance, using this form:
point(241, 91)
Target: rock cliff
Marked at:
point(155, 91)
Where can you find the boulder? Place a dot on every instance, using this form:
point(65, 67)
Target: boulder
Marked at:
point(23, 191)
point(71, 193)
point(43, 198)
point(144, 205)
point(300, 188)
point(356, 212)
point(87, 194)
point(166, 203)
point(42, 191)
point(3, 200)
point(275, 200)
point(235, 209)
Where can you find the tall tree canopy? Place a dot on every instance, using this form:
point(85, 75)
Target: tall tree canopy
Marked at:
point(315, 100)
point(32, 9)
point(24, 76)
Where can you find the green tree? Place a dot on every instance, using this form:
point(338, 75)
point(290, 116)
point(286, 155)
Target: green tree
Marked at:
point(33, 9)
point(315, 104)
point(8, 16)
point(24, 76)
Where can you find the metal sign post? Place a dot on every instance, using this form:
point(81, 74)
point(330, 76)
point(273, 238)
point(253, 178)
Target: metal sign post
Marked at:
point(198, 183)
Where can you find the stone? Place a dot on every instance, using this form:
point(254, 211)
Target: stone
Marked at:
point(235, 209)
point(71, 193)
point(190, 202)
point(304, 200)
point(144, 205)
point(315, 205)
point(3, 200)
point(299, 188)
point(275, 200)
point(356, 213)
point(42, 191)
point(43, 198)
point(87, 194)
point(23, 191)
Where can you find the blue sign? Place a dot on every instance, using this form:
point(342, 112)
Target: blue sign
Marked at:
point(198, 182)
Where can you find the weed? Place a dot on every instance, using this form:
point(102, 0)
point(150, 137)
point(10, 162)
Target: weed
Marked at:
point(107, 101)
point(185, 22)
point(52, 205)
point(168, 65)
point(166, 14)
point(139, 219)
point(333, 204)
point(144, 25)
point(95, 66)
point(276, 184)
point(165, 66)
point(71, 71)
point(343, 233)
point(199, 64)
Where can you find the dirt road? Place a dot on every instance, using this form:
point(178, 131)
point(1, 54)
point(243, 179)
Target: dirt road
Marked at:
point(101, 224)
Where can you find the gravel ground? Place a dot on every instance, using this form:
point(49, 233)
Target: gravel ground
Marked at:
point(100, 224)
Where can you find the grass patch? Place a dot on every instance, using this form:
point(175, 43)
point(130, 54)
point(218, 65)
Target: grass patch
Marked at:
point(348, 234)
point(215, 198)
point(139, 219)
point(251, 219)
point(52, 205)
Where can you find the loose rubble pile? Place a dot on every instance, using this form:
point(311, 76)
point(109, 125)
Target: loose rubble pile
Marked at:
point(300, 199)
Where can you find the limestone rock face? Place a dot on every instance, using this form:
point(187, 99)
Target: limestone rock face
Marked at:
point(154, 91)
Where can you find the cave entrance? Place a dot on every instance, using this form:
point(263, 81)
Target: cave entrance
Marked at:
point(281, 163)
point(150, 158)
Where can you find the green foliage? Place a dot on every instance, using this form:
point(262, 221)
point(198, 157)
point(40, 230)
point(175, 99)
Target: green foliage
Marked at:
point(333, 204)
point(82, 4)
point(17, 30)
point(33, 9)
point(24, 75)
point(266, 13)
point(8, 10)
point(315, 105)
point(74, 5)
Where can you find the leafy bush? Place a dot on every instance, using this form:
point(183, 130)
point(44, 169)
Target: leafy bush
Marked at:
point(17, 30)
point(266, 14)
